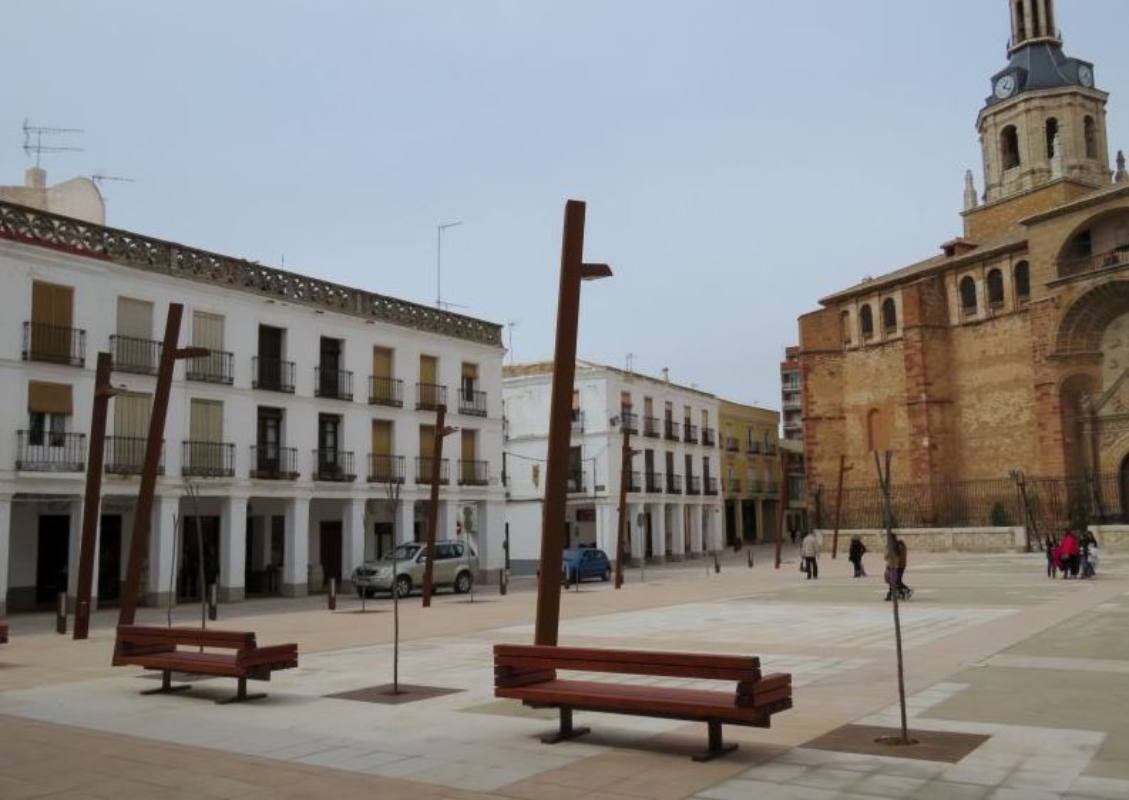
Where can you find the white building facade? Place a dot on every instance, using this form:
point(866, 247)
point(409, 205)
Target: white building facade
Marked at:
point(306, 434)
point(673, 504)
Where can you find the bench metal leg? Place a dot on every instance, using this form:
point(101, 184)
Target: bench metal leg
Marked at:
point(241, 695)
point(166, 685)
point(717, 747)
point(567, 731)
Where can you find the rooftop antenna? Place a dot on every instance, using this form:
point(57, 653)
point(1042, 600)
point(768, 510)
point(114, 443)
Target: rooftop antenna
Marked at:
point(99, 178)
point(628, 367)
point(33, 140)
point(442, 226)
point(511, 325)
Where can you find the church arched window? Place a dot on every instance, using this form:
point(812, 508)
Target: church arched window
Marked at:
point(1090, 134)
point(889, 316)
point(1022, 282)
point(995, 288)
point(968, 295)
point(866, 322)
point(1052, 134)
point(845, 325)
point(1009, 147)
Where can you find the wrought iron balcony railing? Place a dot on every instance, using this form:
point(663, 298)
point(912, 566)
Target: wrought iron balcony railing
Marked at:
point(710, 485)
point(331, 464)
point(336, 384)
point(673, 483)
point(55, 344)
point(207, 459)
point(689, 433)
point(423, 470)
point(709, 438)
point(140, 356)
point(733, 485)
point(771, 487)
point(671, 429)
point(474, 473)
point(472, 402)
point(654, 482)
point(630, 421)
point(45, 451)
point(693, 484)
point(385, 391)
point(753, 447)
point(274, 463)
point(216, 367)
point(272, 374)
point(576, 483)
point(1110, 259)
point(577, 421)
point(651, 427)
point(429, 396)
point(125, 455)
point(731, 444)
point(635, 482)
point(383, 468)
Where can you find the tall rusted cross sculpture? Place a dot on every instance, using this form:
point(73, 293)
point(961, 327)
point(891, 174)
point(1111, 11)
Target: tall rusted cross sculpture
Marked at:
point(142, 518)
point(573, 271)
point(621, 548)
point(442, 430)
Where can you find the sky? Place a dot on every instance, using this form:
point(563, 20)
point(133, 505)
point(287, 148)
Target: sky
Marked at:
point(740, 158)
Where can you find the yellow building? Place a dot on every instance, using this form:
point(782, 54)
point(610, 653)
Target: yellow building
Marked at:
point(750, 472)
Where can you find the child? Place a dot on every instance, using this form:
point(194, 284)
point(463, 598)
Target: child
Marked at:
point(1050, 545)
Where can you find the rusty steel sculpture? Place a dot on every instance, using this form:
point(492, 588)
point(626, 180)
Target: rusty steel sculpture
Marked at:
point(621, 547)
point(442, 430)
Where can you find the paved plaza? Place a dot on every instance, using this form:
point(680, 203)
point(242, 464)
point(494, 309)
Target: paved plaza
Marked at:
point(1039, 669)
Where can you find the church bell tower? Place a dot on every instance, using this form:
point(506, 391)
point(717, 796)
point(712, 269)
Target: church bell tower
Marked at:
point(1045, 119)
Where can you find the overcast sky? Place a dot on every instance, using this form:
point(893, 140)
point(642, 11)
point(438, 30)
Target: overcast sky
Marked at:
point(740, 158)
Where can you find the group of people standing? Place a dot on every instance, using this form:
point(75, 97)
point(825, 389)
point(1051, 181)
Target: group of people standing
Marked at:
point(896, 560)
point(1074, 556)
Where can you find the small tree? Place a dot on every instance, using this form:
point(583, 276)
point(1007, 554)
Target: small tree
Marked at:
point(392, 489)
point(1079, 515)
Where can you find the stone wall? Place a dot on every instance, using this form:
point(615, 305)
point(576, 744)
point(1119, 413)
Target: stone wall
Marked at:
point(934, 540)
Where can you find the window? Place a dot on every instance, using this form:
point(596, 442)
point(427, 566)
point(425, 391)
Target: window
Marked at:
point(1009, 147)
point(866, 322)
point(845, 323)
point(889, 315)
point(995, 288)
point(1090, 134)
point(1052, 134)
point(968, 295)
point(49, 429)
point(1022, 282)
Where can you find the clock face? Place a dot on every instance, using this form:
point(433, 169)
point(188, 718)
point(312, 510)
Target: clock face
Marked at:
point(1085, 76)
point(1005, 87)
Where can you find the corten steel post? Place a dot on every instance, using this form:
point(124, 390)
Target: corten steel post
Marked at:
point(573, 271)
point(891, 551)
point(838, 507)
point(142, 520)
point(783, 507)
point(621, 531)
point(93, 495)
point(441, 431)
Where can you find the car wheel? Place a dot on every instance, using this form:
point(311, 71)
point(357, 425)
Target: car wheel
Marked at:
point(607, 576)
point(462, 583)
point(403, 586)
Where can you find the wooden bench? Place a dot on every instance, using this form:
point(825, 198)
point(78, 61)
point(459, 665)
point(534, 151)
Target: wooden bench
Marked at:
point(529, 673)
point(158, 649)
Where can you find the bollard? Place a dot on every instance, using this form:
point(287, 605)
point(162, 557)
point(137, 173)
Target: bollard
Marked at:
point(504, 581)
point(61, 613)
point(333, 594)
point(213, 602)
point(81, 619)
point(716, 564)
point(749, 553)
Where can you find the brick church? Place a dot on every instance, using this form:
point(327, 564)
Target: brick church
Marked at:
point(1009, 348)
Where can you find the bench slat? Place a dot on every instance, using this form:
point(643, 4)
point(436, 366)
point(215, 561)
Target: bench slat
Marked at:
point(145, 635)
point(194, 663)
point(722, 667)
point(633, 668)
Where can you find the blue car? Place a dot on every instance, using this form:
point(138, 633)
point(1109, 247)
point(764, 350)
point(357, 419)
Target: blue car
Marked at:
point(582, 563)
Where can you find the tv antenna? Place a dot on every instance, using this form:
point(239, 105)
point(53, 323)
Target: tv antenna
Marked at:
point(100, 178)
point(630, 362)
point(442, 226)
point(510, 326)
point(33, 140)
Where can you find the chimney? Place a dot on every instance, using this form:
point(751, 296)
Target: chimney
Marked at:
point(666, 374)
point(35, 178)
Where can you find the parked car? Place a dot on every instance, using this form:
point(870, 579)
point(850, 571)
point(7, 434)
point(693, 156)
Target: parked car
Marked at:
point(454, 567)
point(580, 563)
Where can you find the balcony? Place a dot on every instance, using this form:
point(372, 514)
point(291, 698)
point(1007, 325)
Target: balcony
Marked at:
point(771, 487)
point(671, 429)
point(1111, 259)
point(689, 433)
point(576, 483)
point(44, 451)
point(139, 356)
point(710, 486)
point(216, 367)
point(336, 466)
point(577, 421)
point(654, 482)
point(733, 486)
point(731, 444)
point(472, 402)
point(770, 449)
point(429, 396)
point(693, 485)
point(125, 455)
point(673, 484)
point(385, 391)
point(424, 469)
point(384, 468)
point(709, 438)
point(334, 384)
point(207, 459)
point(274, 463)
point(54, 344)
point(651, 427)
point(753, 448)
point(272, 375)
point(474, 473)
point(630, 421)
point(635, 483)
point(756, 487)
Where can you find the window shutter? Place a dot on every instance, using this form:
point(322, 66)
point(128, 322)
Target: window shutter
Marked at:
point(135, 318)
point(50, 398)
point(207, 330)
point(131, 415)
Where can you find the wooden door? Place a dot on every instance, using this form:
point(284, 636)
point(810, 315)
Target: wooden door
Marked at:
point(381, 362)
point(52, 319)
point(131, 428)
point(109, 558)
point(330, 547)
point(469, 455)
point(207, 331)
point(52, 557)
point(428, 379)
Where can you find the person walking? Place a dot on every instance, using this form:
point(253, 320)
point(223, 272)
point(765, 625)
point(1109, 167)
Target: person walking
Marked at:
point(809, 549)
point(903, 556)
point(855, 554)
point(1050, 545)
